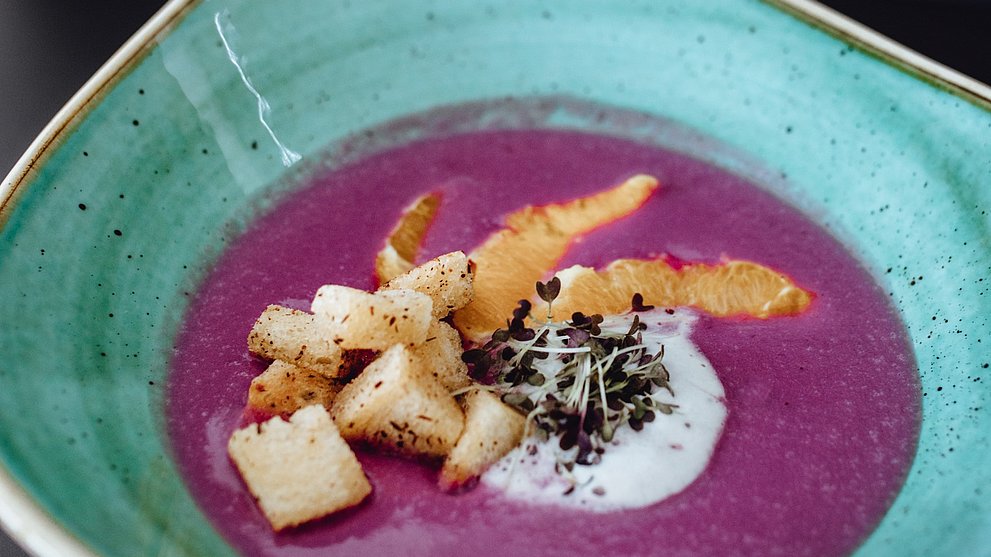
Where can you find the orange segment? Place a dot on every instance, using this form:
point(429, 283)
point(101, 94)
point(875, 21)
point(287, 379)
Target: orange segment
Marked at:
point(742, 288)
point(585, 214)
point(533, 241)
point(731, 288)
point(609, 291)
point(403, 243)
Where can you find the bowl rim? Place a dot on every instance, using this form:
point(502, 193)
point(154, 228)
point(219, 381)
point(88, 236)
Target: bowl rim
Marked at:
point(887, 50)
point(127, 57)
point(21, 517)
point(24, 519)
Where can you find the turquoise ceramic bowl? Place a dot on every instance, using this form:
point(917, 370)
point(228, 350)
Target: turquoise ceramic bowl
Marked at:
point(111, 218)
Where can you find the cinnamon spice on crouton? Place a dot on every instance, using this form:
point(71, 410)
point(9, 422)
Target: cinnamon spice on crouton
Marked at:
point(355, 319)
point(440, 355)
point(290, 335)
point(394, 404)
point(284, 388)
point(298, 470)
point(446, 279)
point(492, 429)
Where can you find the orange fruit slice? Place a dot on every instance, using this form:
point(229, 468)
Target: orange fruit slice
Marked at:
point(534, 239)
point(733, 288)
point(741, 288)
point(403, 243)
point(610, 290)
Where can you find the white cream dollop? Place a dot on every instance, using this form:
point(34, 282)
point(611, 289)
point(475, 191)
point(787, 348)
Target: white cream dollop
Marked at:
point(638, 468)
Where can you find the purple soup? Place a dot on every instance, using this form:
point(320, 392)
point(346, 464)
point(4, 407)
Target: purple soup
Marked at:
point(824, 407)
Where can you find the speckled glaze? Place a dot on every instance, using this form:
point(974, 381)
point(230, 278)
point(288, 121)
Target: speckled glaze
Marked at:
point(108, 228)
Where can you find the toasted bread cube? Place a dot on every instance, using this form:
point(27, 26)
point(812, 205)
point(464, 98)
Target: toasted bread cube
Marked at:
point(492, 429)
point(395, 405)
point(440, 355)
point(284, 388)
point(298, 470)
point(290, 335)
point(446, 279)
point(356, 319)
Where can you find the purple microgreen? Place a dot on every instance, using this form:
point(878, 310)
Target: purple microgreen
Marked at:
point(586, 451)
point(522, 311)
point(576, 337)
point(548, 291)
point(568, 439)
point(594, 327)
point(472, 356)
point(480, 368)
point(526, 360)
point(636, 327)
point(637, 303)
point(589, 382)
point(515, 325)
point(523, 334)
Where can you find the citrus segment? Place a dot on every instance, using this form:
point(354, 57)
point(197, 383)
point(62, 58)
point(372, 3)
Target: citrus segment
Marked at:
point(610, 290)
point(534, 239)
point(403, 243)
point(741, 288)
point(725, 289)
point(585, 214)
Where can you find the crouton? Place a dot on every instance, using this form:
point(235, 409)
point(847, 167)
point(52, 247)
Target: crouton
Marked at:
point(492, 429)
point(440, 355)
point(298, 470)
point(357, 319)
point(284, 388)
point(446, 279)
point(290, 335)
point(395, 405)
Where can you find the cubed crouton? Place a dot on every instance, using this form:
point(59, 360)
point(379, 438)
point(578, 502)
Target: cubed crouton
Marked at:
point(396, 405)
point(492, 429)
point(446, 279)
point(298, 470)
point(284, 388)
point(357, 319)
point(290, 335)
point(440, 355)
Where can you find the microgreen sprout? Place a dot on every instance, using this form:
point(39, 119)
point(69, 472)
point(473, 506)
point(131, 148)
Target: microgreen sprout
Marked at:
point(548, 292)
point(571, 379)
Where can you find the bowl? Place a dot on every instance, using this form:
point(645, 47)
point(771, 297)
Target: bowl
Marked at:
point(215, 110)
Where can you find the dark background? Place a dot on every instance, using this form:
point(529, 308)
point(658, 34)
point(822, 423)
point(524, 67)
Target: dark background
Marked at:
point(48, 48)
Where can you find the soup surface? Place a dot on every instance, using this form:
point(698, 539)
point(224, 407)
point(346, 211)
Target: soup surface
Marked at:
point(823, 407)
